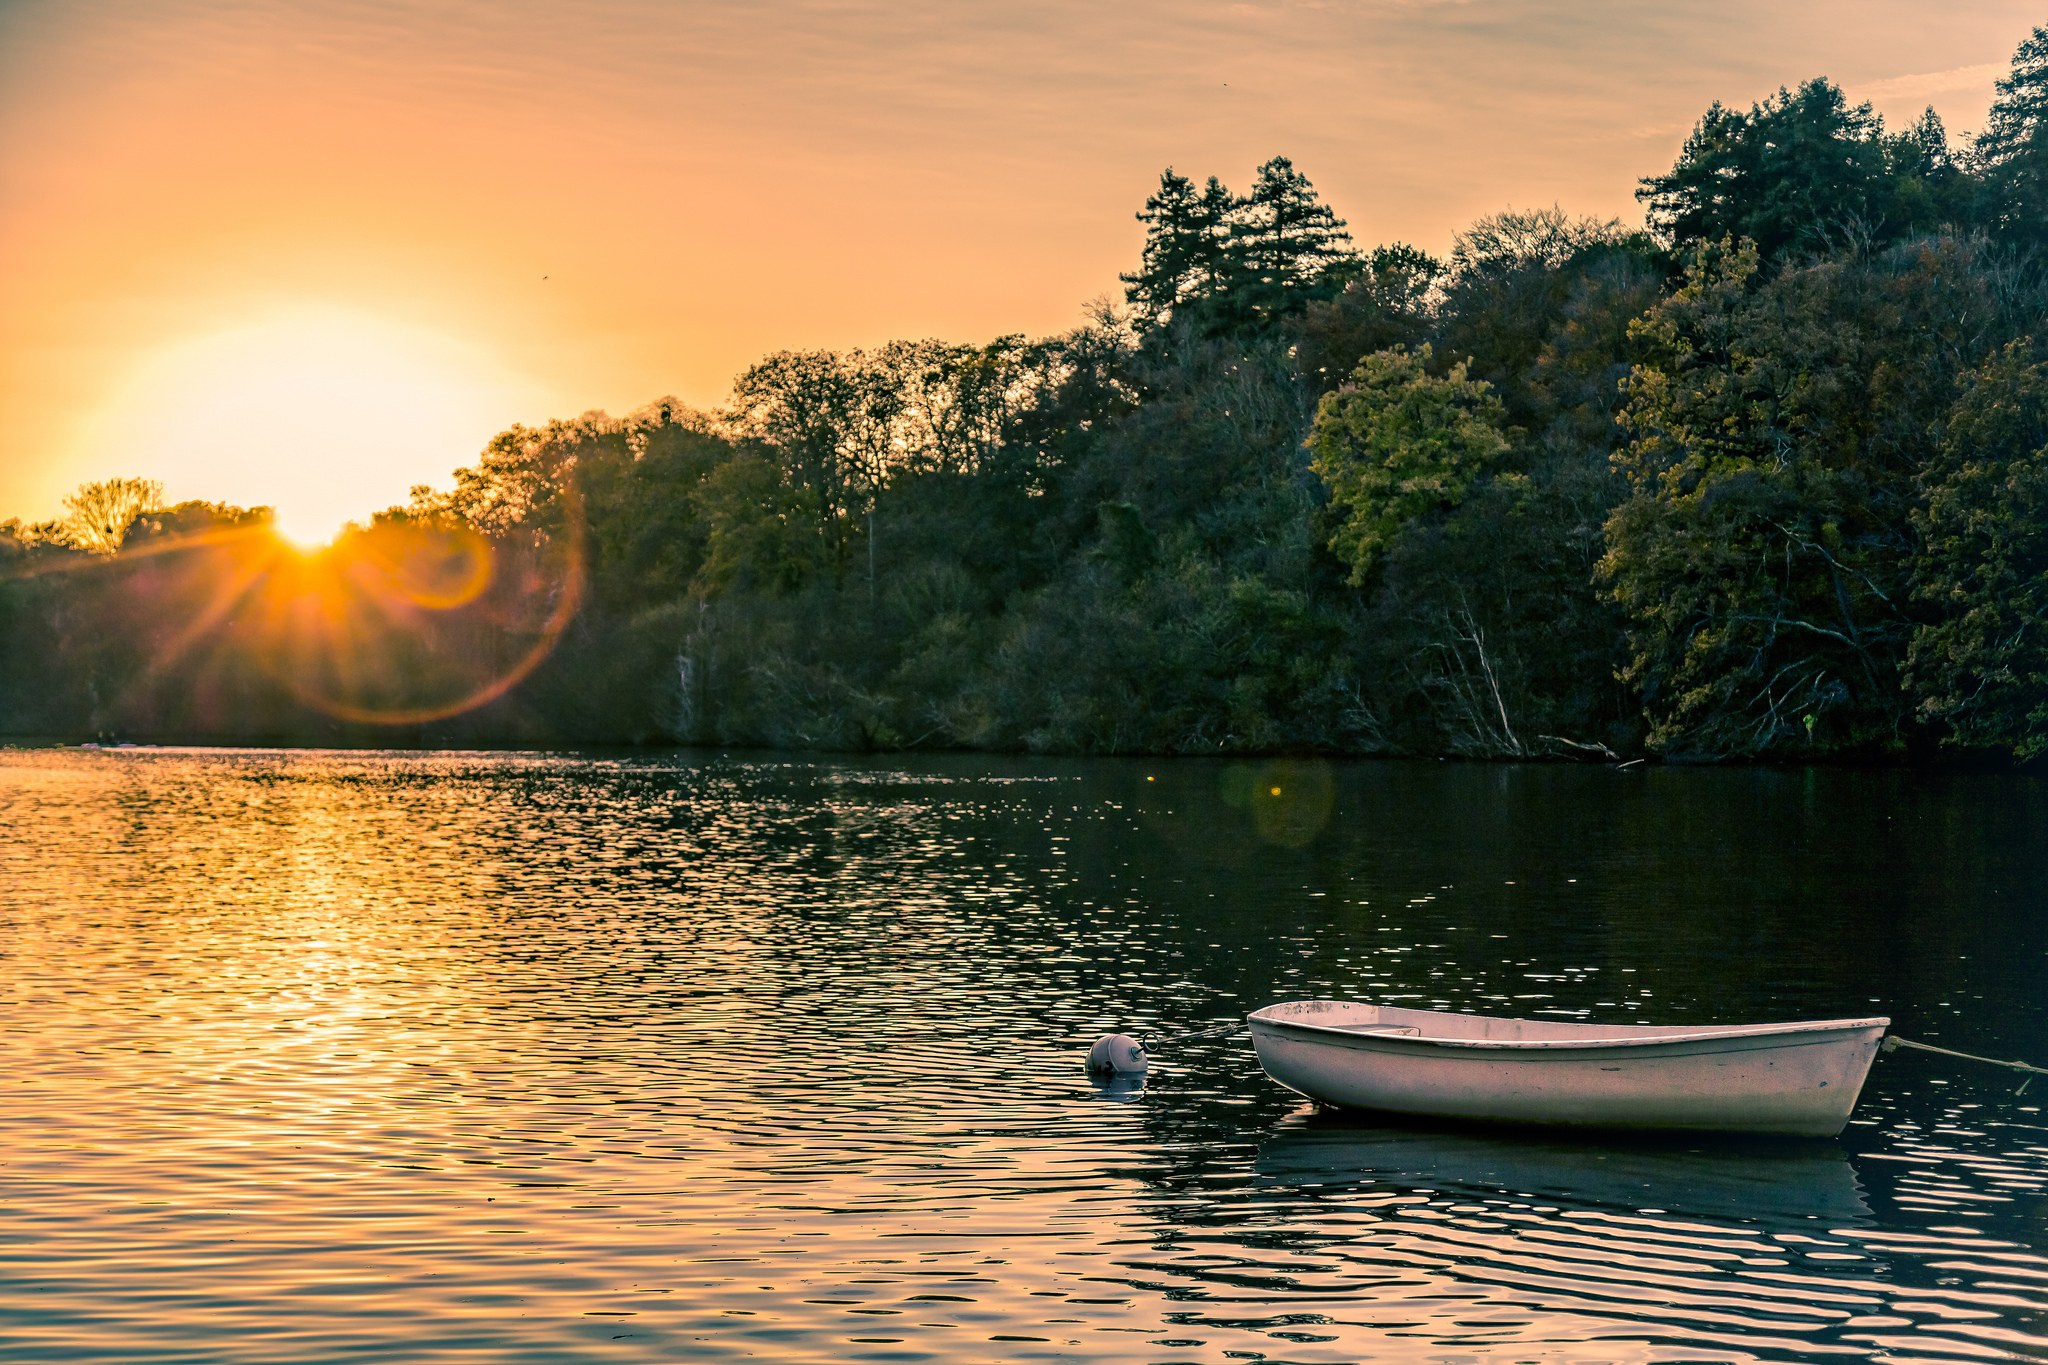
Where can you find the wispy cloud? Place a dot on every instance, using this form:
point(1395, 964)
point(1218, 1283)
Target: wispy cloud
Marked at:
point(1924, 85)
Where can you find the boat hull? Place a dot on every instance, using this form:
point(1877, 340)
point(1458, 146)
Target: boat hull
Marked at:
point(1792, 1079)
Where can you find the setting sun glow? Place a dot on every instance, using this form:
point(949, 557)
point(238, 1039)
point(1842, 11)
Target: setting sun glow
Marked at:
point(324, 415)
point(305, 533)
point(645, 199)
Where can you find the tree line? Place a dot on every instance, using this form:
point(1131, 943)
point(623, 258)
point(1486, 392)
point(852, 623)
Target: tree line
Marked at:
point(1763, 479)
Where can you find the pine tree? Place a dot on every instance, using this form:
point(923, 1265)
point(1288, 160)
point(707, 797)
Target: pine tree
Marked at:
point(1187, 247)
point(1234, 266)
point(1802, 172)
point(1930, 192)
point(1287, 239)
point(2013, 148)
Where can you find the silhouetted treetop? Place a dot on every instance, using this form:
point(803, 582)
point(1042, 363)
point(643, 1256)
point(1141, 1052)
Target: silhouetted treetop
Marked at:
point(1227, 264)
point(1804, 172)
point(2013, 148)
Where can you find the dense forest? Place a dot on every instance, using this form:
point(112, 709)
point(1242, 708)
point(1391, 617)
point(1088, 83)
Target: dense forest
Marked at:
point(1765, 479)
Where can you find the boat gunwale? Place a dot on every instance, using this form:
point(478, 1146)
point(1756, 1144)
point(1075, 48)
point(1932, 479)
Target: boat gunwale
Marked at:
point(1374, 1033)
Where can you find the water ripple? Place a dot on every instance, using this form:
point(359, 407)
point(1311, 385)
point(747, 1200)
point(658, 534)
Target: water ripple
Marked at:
point(568, 1058)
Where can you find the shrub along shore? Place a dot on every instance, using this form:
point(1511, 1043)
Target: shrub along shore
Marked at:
point(1765, 481)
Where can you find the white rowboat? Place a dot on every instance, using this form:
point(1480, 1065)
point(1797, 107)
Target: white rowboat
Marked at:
point(1798, 1079)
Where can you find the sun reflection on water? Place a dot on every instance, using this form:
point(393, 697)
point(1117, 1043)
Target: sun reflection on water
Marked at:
point(320, 1055)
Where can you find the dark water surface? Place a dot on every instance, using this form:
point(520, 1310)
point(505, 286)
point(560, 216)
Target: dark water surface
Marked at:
point(366, 1057)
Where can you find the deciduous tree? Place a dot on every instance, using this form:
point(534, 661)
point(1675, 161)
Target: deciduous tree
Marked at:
point(97, 516)
point(1777, 431)
point(1983, 667)
point(1397, 442)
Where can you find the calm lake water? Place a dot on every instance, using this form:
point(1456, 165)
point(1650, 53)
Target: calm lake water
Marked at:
point(366, 1056)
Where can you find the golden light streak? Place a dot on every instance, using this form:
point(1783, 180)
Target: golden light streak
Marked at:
point(399, 623)
point(411, 587)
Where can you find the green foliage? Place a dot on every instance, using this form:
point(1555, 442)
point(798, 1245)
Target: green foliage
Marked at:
point(2013, 148)
point(1127, 543)
point(761, 535)
point(1983, 666)
point(1778, 491)
point(1527, 285)
point(1289, 247)
point(1398, 442)
point(1805, 172)
point(845, 429)
point(1187, 659)
point(1213, 446)
point(1486, 636)
point(1230, 266)
point(1764, 553)
point(1388, 304)
point(1187, 254)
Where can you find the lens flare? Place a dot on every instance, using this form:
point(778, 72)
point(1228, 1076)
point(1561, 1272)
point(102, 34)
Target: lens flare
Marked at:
point(411, 594)
point(403, 622)
point(439, 566)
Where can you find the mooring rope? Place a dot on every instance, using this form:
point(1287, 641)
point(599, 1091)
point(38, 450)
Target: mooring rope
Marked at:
point(1151, 1040)
point(1893, 1041)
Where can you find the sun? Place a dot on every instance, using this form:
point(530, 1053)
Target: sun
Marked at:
point(307, 530)
point(325, 415)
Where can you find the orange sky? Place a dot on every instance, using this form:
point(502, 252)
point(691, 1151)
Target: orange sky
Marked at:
point(311, 254)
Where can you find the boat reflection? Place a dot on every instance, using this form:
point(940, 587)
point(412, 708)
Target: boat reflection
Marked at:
point(1768, 1182)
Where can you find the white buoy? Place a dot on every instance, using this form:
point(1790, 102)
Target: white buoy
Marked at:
point(1119, 1054)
